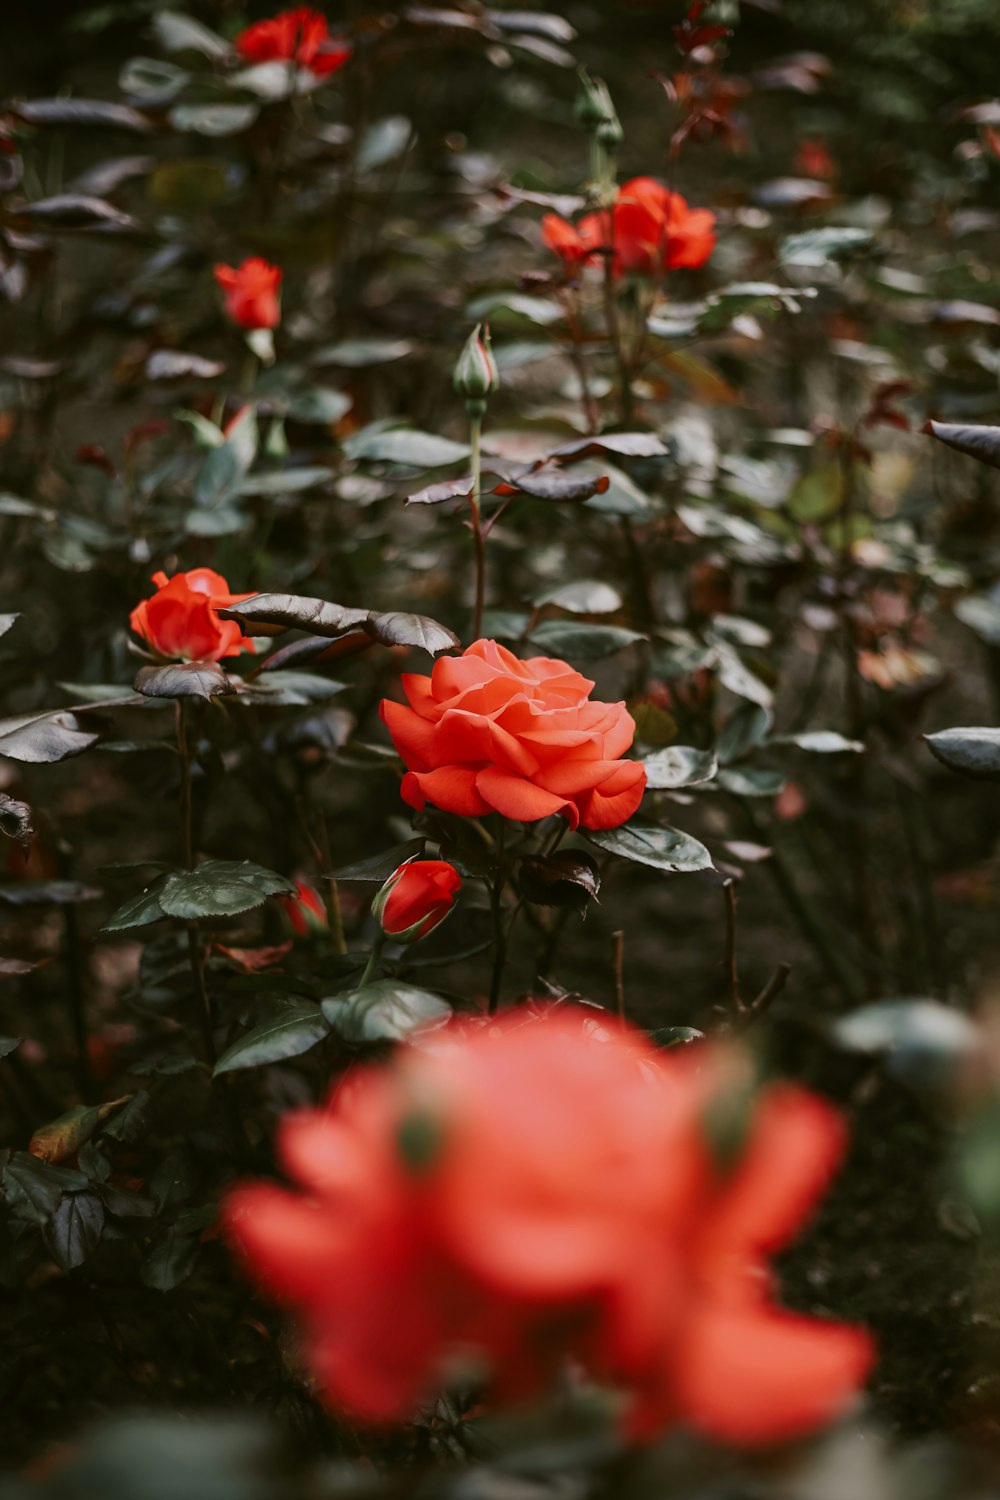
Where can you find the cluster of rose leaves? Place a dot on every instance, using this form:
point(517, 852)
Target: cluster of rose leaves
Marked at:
point(544, 1188)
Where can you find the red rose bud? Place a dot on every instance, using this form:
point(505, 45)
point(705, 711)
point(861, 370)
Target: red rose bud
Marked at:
point(416, 898)
point(297, 36)
point(304, 913)
point(476, 374)
point(251, 292)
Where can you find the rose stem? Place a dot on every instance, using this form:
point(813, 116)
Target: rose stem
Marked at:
point(478, 537)
point(191, 927)
point(732, 968)
point(500, 932)
point(618, 950)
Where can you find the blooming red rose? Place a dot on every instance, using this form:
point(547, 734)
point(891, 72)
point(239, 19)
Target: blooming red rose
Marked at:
point(180, 619)
point(416, 898)
point(539, 1188)
point(251, 292)
point(648, 231)
point(304, 912)
point(300, 36)
point(487, 732)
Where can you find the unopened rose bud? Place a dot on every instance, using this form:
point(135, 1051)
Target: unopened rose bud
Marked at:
point(476, 374)
point(304, 914)
point(590, 101)
point(415, 899)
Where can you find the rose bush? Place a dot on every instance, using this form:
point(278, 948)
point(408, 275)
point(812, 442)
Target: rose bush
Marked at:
point(542, 1188)
point(488, 732)
point(181, 620)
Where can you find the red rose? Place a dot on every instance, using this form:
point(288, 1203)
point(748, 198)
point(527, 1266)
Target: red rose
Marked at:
point(251, 292)
point(300, 36)
point(304, 912)
point(487, 732)
point(559, 236)
point(180, 619)
point(542, 1187)
point(416, 898)
point(650, 230)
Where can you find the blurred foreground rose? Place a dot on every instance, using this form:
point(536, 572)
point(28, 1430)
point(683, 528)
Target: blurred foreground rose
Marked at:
point(546, 1188)
point(487, 732)
point(180, 619)
point(251, 292)
point(416, 898)
point(299, 35)
point(304, 913)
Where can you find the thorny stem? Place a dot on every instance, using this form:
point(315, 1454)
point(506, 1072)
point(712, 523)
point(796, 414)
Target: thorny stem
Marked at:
point(475, 504)
point(195, 956)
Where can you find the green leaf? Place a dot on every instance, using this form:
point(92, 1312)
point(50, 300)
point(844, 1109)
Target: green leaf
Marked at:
point(359, 354)
point(982, 443)
point(42, 739)
point(743, 731)
point(221, 888)
point(73, 1232)
point(973, 752)
point(213, 119)
point(378, 867)
point(287, 482)
point(151, 79)
point(176, 32)
point(751, 781)
point(386, 1011)
point(170, 1261)
point(34, 1188)
point(650, 844)
point(576, 642)
point(568, 878)
point(820, 742)
point(184, 679)
point(677, 766)
point(63, 1137)
point(382, 142)
point(138, 911)
point(290, 689)
point(923, 1040)
point(981, 612)
point(404, 445)
point(588, 596)
point(814, 248)
point(403, 629)
point(289, 1032)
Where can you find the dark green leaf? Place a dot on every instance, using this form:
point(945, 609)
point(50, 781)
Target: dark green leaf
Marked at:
point(576, 642)
point(973, 752)
point(751, 781)
point(297, 612)
point(589, 596)
point(170, 1261)
point(33, 1188)
point(403, 445)
point(924, 1041)
point(649, 844)
point(73, 1232)
point(184, 679)
point(677, 766)
point(378, 867)
point(411, 630)
point(567, 878)
point(138, 911)
point(77, 112)
point(982, 443)
point(41, 739)
point(386, 1011)
point(289, 1032)
point(221, 888)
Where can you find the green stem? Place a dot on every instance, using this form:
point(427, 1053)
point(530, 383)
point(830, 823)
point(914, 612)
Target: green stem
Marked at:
point(475, 502)
point(614, 327)
point(373, 959)
point(195, 956)
point(334, 914)
point(499, 930)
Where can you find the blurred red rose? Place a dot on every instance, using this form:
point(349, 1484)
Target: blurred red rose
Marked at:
point(251, 292)
point(300, 36)
point(813, 159)
point(416, 898)
point(559, 236)
point(649, 230)
point(544, 1187)
point(304, 913)
point(180, 619)
point(487, 732)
